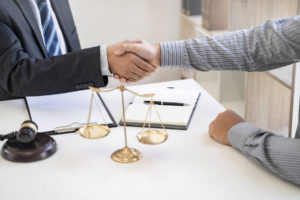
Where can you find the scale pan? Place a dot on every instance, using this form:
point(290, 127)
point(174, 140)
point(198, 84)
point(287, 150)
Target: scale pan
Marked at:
point(152, 137)
point(94, 131)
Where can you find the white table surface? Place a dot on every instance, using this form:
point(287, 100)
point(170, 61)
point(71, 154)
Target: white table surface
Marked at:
point(190, 165)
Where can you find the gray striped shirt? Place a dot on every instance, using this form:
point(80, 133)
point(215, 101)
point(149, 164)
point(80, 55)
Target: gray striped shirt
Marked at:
point(274, 44)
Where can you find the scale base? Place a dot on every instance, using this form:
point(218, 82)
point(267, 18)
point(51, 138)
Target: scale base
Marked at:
point(41, 148)
point(126, 155)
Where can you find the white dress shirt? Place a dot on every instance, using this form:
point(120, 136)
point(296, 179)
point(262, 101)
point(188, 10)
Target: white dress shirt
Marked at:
point(61, 40)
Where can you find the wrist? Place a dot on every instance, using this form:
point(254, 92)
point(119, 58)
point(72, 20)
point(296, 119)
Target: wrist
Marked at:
point(104, 61)
point(109, 59)
point(158, 54)
point(239, 133)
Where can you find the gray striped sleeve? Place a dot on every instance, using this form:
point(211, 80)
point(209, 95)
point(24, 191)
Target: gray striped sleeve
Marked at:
point(174, 54)
point(277, 154)
point(274, 44)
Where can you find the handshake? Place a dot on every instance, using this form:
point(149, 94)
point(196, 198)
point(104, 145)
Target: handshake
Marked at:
point(133, 60)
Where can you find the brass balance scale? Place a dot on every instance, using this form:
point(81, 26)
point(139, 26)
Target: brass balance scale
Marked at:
point(146, 136)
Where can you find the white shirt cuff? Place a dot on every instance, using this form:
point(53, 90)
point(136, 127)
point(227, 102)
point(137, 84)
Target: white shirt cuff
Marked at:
point(103, 61)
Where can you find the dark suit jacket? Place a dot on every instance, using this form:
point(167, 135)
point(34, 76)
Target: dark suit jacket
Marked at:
point(26, 70)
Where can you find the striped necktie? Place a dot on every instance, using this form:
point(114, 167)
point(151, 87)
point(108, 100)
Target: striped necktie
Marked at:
point(49, 32)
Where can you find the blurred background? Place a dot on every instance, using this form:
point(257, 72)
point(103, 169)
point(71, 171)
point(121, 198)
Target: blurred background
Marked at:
point(112, 21)
point(267, 99)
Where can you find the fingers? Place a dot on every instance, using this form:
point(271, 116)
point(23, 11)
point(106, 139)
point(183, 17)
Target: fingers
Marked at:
point(128, 46)
point(128, 67)
point(141, 68)
point(145, 65)
point(133, 76)
point(136, 75)
point(136, 68)
point(116, 76)
point(122, 80)
point(133, 73)
point(139, 72)
point(148, 52)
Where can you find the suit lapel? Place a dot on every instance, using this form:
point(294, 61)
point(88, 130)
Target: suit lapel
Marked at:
point(64, 19)
point(28, 14)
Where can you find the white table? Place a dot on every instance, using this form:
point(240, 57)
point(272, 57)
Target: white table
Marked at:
point(190, 165)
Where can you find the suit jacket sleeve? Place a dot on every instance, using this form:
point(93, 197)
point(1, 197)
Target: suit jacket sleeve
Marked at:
point(23, 75)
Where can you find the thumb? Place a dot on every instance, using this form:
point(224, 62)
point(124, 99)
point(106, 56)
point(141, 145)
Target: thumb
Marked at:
point(126, 48)
point(122, 50)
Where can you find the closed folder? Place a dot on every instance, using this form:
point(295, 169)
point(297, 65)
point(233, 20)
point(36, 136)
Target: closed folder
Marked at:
point(172, 117)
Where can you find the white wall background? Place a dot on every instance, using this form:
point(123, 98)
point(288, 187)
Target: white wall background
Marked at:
point(111, 21)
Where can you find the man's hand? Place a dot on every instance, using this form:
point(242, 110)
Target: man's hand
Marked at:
point(219, 128)
point(128, 66)
point(149, 52)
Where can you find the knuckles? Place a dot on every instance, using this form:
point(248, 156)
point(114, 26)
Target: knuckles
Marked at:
point(133, 58)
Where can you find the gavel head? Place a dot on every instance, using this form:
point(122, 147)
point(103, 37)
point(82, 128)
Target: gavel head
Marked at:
point(27, 132)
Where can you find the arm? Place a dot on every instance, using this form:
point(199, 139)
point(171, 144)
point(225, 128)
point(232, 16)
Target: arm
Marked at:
point(22, 75)
point(274, 44)
point(278, 154)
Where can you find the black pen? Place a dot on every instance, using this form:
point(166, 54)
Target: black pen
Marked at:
point(165, 103)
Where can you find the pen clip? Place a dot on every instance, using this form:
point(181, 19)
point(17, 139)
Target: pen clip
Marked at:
point(72, 127)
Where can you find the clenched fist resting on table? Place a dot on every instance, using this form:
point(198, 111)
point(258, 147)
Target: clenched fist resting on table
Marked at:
point(219, 128)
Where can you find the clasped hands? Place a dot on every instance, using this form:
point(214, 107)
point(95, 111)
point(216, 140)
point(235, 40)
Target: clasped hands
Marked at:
point(133, 60)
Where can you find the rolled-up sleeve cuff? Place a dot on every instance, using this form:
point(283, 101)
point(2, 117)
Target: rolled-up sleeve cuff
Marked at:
point(172, 53)
point(239, 133)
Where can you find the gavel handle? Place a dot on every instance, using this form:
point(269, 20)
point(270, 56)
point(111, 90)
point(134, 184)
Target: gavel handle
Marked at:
point(8, 136)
